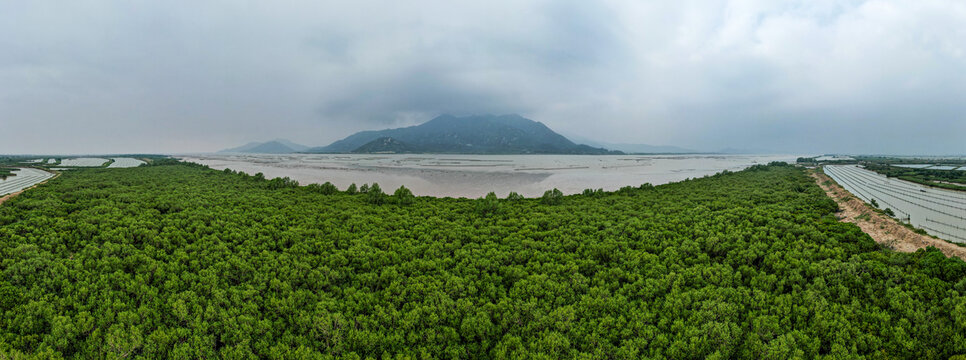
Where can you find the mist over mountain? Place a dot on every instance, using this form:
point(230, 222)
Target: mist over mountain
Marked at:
point(646, 148)
point(278, 146)
point(632, 148)
point(478, 134)
point(746, 151)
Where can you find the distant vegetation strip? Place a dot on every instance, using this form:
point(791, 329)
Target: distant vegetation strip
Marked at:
point(929, 177)
point(181, 261)
point(946, 178)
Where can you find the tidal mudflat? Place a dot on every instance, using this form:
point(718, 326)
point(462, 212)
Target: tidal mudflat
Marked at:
point(476, 175)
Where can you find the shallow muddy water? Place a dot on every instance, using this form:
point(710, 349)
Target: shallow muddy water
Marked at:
point(476, 175)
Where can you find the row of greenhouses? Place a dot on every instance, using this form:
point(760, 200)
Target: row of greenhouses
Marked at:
point(125, 163)
point(22, 179)
point(938, 211)
point(84, 162)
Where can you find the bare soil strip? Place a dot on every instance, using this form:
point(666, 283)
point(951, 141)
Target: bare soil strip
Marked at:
point(882, 228)
point(10, 196)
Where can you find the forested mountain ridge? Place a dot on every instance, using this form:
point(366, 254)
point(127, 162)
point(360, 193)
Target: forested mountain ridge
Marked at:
point(480, 134)
point(385, 145)
point(180, 261)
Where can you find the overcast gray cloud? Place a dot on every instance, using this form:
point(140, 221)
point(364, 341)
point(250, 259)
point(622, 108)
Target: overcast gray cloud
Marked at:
point(876, 76)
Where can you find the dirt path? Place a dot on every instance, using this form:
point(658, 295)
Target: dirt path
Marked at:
point(9, 196)
point(882, 228)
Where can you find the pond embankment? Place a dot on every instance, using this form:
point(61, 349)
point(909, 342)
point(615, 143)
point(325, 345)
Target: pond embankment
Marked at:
point(882, 228)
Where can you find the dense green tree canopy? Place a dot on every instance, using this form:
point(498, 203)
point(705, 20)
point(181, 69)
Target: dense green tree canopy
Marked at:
point(178, 261)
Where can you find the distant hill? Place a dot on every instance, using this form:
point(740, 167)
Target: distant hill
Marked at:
point(279, 146)
point(634, 148)
point(646, 149)
point(292, 145)
point(743, 151)
point(480, 134)
point(651, 149)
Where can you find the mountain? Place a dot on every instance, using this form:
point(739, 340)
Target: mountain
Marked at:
point(279, 146)
point(240, 149)
point(293, 146)
point(385, 145)
point(479, 134)
point(272, 147)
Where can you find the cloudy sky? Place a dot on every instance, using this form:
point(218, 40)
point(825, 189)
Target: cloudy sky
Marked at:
point(812, 76)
